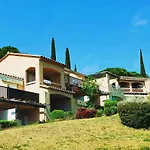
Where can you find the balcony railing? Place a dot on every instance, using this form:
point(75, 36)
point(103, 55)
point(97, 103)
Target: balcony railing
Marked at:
point(16, 94)
point(73, 81)
point(126, 89)
point(138, 90)
point(50, 83)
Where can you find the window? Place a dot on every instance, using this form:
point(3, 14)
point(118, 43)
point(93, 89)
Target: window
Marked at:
point(30, 74)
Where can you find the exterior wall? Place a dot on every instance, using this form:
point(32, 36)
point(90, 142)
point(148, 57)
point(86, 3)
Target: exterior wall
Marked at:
point(103, 98)
point(8, 114)
point(147, 86)
point(17, 66)
point(103, 83)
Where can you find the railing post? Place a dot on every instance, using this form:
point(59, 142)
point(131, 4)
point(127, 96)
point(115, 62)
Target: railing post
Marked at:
point(7, 92)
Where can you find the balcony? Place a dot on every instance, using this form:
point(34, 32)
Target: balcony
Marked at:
point(15, 94)
point(135, 90)
point(74, 84)
point(51, 77)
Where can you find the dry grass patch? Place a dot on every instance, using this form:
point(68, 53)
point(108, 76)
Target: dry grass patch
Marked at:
point(87, 134)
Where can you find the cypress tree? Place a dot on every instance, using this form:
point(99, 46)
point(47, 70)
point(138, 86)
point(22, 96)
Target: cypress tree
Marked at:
point(53, 50)
point(75, 68)
point(67, 60)
point(142, 67)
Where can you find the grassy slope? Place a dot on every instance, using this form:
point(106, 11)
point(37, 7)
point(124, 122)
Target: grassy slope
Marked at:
point(87, 134)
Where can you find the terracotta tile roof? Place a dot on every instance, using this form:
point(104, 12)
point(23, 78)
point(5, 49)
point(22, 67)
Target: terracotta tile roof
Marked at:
point(57, 88)
point(60, 89)
point(69, 70)
point(18, 78)
point(34, 56)
point(133, 78)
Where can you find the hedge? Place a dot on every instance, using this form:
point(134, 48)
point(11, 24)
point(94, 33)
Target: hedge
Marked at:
point(135, 113)
point(8, 124)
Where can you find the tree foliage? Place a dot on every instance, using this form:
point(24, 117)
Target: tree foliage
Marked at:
point(67, 59)
point(89, 86)
point(75, 68)
point(5, 49)
point(53, 50)
point(142, 67)
point(119, 72)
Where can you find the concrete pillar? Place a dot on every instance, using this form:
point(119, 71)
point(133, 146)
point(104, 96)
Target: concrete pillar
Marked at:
point(62, 80)
point(73, 104)
point(130, 86)
point(107, 78)
point(41, 73)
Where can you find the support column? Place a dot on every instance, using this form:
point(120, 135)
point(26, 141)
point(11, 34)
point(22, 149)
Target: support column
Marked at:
point(130, 86)
point(62, 80)
point(17, 111)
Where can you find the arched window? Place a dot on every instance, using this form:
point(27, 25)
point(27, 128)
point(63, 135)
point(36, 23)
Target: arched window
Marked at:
point(30, 74)
point(113, 84)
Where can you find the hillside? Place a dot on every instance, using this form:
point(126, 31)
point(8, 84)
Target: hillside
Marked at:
point(88, 134)
point(119, 72)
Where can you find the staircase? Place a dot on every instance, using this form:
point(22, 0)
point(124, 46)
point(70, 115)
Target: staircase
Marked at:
point(116, 92)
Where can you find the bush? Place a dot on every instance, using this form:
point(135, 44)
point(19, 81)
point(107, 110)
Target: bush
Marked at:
point(85, 113)
point(135, 113)
point(8, 124)
point(110, 107)
point(99, 112)
point(109, 103)
point(57, 114)
point(69, 115)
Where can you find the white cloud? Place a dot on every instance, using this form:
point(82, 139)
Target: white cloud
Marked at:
point(138, 19)
point(141, 22)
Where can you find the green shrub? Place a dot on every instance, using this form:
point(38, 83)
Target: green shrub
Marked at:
point(109, 103)
point(57, 114)
point(135, 113)
point(69, 115)
point(110, 107)
point(99, 112)
point(113, 110)
point(8, 124)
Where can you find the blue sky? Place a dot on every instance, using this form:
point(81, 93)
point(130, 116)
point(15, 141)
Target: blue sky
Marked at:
point(99, 33)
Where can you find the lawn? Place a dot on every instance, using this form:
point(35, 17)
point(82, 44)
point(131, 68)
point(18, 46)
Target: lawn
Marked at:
point(88, 134)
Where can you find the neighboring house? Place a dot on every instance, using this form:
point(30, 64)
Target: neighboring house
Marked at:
point(46, 85)
point(121, 87)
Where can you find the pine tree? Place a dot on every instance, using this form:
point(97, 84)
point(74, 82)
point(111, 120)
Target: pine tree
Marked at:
point(75, 68)
point(142, 68)
point(67, 60)
point(53, 50)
